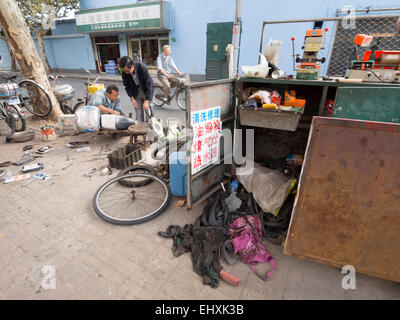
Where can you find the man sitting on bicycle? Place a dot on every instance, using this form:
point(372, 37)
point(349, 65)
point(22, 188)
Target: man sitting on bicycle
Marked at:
point(165, 64)
point(107, 100)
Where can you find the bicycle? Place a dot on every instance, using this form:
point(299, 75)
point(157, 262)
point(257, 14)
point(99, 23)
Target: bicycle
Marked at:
point(33, 97)
point(10, 107)
point(83, 102)
point(178, 93)
point(64, 94)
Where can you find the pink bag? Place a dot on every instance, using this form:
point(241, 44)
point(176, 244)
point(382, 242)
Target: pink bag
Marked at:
point(246, 233)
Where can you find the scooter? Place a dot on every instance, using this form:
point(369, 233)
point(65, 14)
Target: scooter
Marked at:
point(64, 94)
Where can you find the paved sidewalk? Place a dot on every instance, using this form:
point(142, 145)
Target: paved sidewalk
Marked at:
point(52, 223)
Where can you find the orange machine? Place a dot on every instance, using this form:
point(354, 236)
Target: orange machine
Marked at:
point(375, 65)
point(309, 68)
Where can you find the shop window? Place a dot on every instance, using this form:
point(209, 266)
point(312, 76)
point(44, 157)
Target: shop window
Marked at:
point(147, 48)
point(107, 49)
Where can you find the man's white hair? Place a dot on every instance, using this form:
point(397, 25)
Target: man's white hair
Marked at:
point(166, 46)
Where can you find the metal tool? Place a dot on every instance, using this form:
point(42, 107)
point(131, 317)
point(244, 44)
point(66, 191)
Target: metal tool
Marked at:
point(39, 175)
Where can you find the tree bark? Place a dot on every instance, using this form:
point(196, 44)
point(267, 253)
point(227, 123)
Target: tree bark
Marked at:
point(12, 58)
point(23, 47)
point(39, 36)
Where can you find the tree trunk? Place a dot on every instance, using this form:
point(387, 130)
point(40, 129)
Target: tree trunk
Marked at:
point(21, 43)
point(39, 36)
point(12, 59)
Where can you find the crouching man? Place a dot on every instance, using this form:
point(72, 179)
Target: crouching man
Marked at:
point(107, 100)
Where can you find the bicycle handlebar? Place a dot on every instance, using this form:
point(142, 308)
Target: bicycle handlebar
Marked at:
point(87, 71)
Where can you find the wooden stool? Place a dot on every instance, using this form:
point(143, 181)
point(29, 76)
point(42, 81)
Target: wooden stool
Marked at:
point(136, 130)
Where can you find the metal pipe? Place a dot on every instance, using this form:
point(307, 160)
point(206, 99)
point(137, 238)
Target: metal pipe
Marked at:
point(188, 148)
point(367, 10)
point(236, 37)
point(329, 19)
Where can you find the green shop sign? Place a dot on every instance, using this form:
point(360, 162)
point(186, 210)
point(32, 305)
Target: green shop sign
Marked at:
point(138, 16)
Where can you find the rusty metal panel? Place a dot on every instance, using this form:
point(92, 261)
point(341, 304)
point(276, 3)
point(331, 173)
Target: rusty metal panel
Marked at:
point(202, 96)
point(348, 207)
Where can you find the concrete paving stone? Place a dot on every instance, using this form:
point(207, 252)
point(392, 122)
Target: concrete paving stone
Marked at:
point(86, 263)
point(61, 292)
point(124, 234)
point(110, 276)
point(131, 291)
point(70, 224)
point(70, 276)
point(15, 231)
point(132, 251)
point(95, 287)
point(126, 267)
point(100, 250)
point(29, 245)
point(50, 237)
point(302, 284)
point(208, 293)
point(147, 280)
point(159, 266)
point(6, 245)
point(148, 244)
point(181, 286)
point(12, 255)
point(271, 289)
point(370, 288)
point(92, 229)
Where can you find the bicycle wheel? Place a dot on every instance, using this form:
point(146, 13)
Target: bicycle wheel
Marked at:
point(78, 106)
point(19, 122)
point(181, 98)
point(136, 169)
point(158, 95)
point(123, 205)
point(34, 98)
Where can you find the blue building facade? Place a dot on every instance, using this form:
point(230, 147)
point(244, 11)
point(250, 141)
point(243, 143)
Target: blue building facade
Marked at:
point(90, 41)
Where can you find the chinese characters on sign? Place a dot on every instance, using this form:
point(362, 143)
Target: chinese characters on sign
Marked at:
point(130, 17)
point(207, 127)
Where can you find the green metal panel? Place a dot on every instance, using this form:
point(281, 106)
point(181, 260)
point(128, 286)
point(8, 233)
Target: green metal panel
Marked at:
point(373, 103)
point(219, 35)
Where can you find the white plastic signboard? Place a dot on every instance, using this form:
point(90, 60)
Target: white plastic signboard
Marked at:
point(206, 126)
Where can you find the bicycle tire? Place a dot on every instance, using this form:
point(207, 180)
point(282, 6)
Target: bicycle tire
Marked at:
point(181, 103)
point(132, 196)
point(136, 169)
point(158, 90)
point(20, 118)
point(78, 106)
point(33, 98)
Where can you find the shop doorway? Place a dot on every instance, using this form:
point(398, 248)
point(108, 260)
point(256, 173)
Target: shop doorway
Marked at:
point(147, 48)
point(107, 48)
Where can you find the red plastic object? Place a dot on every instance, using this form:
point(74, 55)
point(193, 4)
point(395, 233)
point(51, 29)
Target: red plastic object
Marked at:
point(232, 280)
